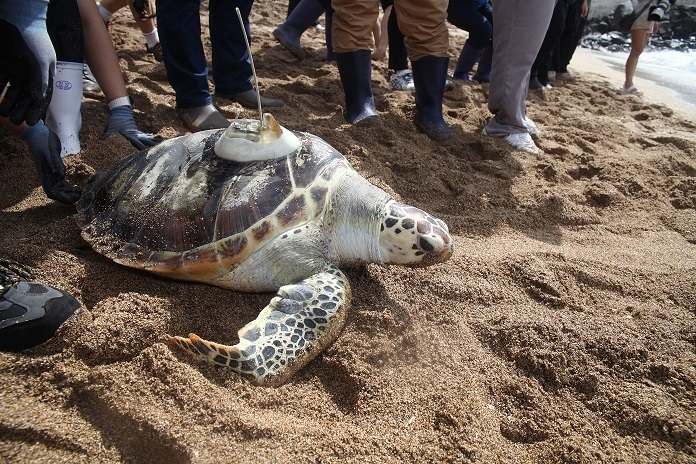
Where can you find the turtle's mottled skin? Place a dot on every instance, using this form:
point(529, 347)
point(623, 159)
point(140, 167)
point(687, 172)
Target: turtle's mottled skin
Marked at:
point(284, 224)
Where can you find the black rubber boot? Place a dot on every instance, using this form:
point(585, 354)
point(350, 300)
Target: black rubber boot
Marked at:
point(429, 76)
point(303, 16)
point(467, 59)
point(355, 69)
point(483, 71)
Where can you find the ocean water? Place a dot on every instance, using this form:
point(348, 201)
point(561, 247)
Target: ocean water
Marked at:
point(673, 69)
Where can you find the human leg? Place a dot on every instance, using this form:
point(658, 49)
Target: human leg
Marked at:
point(639, 38)
point(402, 78)
point(568, 39)
point(477, 21)
point(352, 41)
point(63, 116)
point(184, 59)
point(231, 60)
point(303, 15)
point(542, 62)
point(519, 30)
point(483, 70)
point(427, 42)
point(179, 28)
point(328, 33)
point(398, 55)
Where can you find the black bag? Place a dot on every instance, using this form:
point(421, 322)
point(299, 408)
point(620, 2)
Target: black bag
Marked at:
point(625, 15)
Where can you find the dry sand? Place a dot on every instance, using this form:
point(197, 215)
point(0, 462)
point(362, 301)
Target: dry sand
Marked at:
point(562, 329)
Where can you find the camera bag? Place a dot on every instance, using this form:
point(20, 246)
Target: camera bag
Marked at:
point(625, 15)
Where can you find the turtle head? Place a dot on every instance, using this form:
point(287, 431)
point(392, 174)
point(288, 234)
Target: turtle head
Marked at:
point(409, 235)
point(369, 226)
point(247, 140)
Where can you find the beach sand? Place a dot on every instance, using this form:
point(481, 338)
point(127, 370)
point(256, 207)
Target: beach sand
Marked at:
point(562, 329)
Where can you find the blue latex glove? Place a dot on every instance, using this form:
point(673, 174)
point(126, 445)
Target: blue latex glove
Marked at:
point(44, 147)
point(27, 63)
point(122, 121)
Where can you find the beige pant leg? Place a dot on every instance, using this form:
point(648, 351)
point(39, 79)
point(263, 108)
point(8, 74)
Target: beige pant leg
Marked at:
point(423, 24)
point(352, 24)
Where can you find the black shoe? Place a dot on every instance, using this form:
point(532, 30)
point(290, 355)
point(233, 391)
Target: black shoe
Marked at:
point(156, 51)
point(89, 82)
point(202, 118)
point(535, 84)
point(248, 99)
point(30, 312)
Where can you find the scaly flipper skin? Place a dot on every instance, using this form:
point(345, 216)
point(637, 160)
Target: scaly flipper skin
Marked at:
point(302, 320)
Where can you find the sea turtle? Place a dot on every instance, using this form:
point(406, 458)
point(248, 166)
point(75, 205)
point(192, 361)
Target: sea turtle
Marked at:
point(256, 208)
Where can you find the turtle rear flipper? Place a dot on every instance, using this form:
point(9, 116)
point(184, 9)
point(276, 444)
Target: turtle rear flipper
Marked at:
point(297, 324)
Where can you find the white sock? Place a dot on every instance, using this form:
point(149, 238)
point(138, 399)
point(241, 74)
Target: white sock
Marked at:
point(105, 14)
point(152, 38)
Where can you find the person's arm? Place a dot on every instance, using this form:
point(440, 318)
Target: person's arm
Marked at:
point(584, 9)
point(27, 61)
point(99, 52)
point(103, 61)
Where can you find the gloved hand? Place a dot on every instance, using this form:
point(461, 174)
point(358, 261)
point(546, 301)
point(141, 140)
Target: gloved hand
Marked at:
point(122, 121)
point(27, 62)
point(44, 147)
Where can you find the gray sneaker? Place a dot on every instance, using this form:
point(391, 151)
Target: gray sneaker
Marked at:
point(402, 80)
point(30, 312)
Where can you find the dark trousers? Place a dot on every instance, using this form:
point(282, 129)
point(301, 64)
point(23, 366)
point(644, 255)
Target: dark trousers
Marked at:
point(179, 26)
point(570, 39)
point(542, 63)
point(64, 26)
point(398, 55)
point(478, 22)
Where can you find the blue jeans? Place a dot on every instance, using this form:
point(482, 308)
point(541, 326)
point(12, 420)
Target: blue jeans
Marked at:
point(179, 26)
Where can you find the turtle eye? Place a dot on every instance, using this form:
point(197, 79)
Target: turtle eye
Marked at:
point(425, 244)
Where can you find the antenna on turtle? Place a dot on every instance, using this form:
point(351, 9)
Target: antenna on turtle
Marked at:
point(253, 69)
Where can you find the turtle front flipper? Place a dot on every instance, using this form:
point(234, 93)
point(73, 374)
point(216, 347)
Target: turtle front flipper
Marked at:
point(298, 323)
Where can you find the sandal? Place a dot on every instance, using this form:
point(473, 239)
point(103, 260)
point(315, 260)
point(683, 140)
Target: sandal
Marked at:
point(632, 90)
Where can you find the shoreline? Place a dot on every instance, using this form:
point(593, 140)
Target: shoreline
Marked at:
point(586, 61)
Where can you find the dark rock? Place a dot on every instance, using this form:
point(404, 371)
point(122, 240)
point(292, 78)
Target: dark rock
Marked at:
point(677, 31)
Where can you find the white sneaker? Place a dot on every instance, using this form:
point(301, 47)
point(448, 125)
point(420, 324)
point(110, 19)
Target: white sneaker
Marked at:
point(532, 128)
point(565, 75)
point(402, 80)
point(522, 141)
